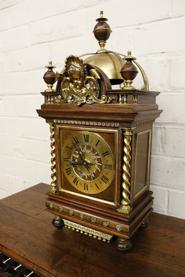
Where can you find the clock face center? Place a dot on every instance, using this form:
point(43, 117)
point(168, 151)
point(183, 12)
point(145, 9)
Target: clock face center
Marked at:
point(87, 162)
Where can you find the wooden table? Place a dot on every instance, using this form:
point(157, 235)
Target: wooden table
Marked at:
point(27, 235)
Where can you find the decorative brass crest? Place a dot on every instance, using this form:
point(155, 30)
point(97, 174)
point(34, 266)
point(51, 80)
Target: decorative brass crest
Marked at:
point(78, 85)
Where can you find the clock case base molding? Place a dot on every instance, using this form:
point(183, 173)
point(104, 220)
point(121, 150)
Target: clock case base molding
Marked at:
point(104, 221)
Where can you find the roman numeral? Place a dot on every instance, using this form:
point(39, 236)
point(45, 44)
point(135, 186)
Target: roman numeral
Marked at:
point(108, 166)
point(86, 138)
point(68, 170)
point(97, 143)
point(106, 153)
point(86, 186)
point(76, 140)
point(75, 181)
point(97, 186)
point(104, 179)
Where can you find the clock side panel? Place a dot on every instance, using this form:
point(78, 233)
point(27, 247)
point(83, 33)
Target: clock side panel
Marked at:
point(111, 195)
point(142, 161)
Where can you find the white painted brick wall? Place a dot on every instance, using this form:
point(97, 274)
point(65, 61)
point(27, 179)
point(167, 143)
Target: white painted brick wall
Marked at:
point(33, 32)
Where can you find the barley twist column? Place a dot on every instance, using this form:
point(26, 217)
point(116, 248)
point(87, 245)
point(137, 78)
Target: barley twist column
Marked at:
point(126, 175)
point(53, 184)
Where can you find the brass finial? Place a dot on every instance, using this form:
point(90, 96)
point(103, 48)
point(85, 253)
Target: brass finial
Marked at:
point(50, 64)
point(50, 76)
point(101, 14)
point(102, 30)
point(129, 53)
point(129, 56)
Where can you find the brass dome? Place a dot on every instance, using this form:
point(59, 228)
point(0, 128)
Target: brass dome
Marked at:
point(109, 62)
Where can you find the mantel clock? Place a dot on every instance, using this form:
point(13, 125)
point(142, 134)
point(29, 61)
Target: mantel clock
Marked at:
point(101, 129)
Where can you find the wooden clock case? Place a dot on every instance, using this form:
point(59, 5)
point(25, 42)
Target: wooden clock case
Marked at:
point(132, 200)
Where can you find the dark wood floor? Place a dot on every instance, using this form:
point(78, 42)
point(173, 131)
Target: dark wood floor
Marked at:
point(26, 234)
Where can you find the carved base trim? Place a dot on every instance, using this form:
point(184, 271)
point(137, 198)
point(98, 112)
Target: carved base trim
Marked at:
point(87, 231)
point(113, 225)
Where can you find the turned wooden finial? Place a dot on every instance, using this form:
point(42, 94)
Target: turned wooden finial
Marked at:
point(49, 76)
point(128, 72)
point(102, 30)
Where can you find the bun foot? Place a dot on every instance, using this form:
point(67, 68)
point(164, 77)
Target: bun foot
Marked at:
point(58, 222)
point(124, 244)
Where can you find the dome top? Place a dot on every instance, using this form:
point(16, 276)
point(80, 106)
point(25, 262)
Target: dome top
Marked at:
point(109, 62)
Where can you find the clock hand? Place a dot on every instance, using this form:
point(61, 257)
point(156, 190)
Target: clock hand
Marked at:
point(86, 166)
point(81, 156)
point(74, 163)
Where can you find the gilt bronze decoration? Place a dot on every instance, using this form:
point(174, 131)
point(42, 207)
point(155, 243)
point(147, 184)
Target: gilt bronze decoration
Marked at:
point(78, 85)
point(100, 132)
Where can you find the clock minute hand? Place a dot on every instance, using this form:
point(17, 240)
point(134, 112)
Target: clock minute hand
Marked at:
point(81, 156)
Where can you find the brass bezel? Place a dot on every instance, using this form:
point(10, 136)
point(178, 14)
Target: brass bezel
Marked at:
point(98, 130)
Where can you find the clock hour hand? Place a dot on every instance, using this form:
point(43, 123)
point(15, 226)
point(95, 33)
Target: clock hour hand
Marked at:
point(75, 163)
point(86, 166)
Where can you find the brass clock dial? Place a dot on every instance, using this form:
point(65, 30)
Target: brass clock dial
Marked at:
point(88, 162)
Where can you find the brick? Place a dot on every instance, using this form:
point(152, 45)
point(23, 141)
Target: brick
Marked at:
point(169, 141)
point(25, 148)
point(29, 82)
point(27, 128)
point(178, 8)
point(160, 199)
point(8, 3)
point(176, 203)
point(51, 28)
point(177, 72)
point(12, 184)
point(26, 169)
point(172, 105)
point(73, 46)
point(154, 72)
point(14, 15)
point(30, 58)
point(20, 106)
point(157, 37)
point(13, 39)
point(43, 9)
point(2, 63)
point(168, 172)
point(141, 12)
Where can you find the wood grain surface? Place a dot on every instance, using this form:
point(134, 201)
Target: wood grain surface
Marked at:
point(26, 234)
